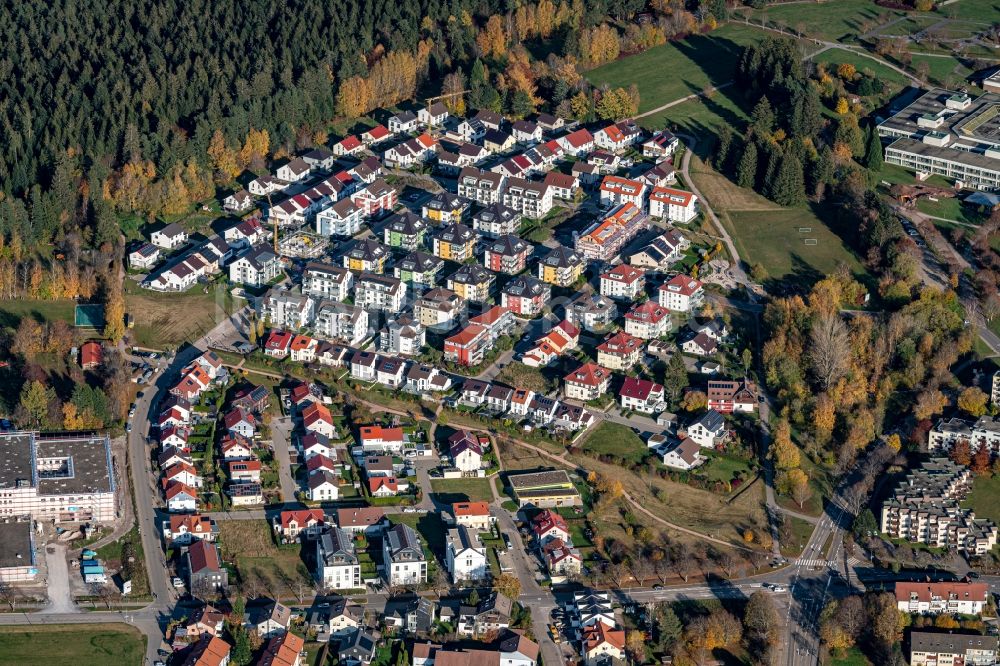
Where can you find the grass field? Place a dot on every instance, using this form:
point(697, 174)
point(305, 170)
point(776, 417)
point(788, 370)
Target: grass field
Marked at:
point(800, 530)
point(167, 320)
point(851, 657)
point(722, 467)
point(951, 209)
point(462, 490)
point(248, 545)
point(11, 312)
point(431, 528)
point(864, 65)
point(695, 63)
point(72, 645)
point(835, 20)
point(985, 498)
point(977, 10)
point(949, 72)
point(615, 439)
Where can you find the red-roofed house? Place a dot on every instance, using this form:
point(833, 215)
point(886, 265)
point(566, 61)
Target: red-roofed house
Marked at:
point(91, 355)
point(375, 135)
point(549, 525)
point(180, 497)
point(944, 597)
point(385, 440)
point(674, 205)
point(641, 395)
point(727, 395)
point(348, 145)
point(577, 142)
point(303, 349)
point(182, 473)
point(290, 524)
point(610, 138)
point(620, 352)
point(468, 346)
point(588, 382)
point(241, 471)
point(623, 282)
point(681, 293)
point(236, 447)
point(564, 337)
point(603, 642)
point(175, 436)
point(561, 558)
point(317, 418)
point(386, 486)
point(618, 190)
point(368, 519)
point(183, 530)
point(474, 515)
point(240, 422)
point(563, 185)
point(648, 321)
point(283, 650)
point(278, 343)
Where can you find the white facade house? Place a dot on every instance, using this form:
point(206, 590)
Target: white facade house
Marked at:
point(341, 321)
point(681, 294)
point(686, 455)
point(169, 237)
point(337, 564)
point(342, 218)
point(403, 556)
point(379, 292)
point(466, 555)
point(708, 430)
point(673, 205)
point(326, 281)
point(255, 268)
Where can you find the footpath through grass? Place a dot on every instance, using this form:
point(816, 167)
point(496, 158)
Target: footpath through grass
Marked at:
point(72, 645)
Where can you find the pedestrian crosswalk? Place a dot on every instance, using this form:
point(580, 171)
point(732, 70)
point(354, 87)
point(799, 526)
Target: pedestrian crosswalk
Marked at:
point(813, 563)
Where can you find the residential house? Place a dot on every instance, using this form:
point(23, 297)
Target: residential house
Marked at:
point(286, 309)
point(241, 422)
point(245, 233)
point(526, 132)
point(549, 525)
point(529, 198)
point(454, 242)
point(256, 267)
point(169, 237)
point(678, 206)
point(204, 569)
point(466, 450)
point(472, 283)
point(660, 146)
point(326, 281)
point(661, 252)
point(658, 175)
point(473, 515)
point(421, 377)
point(368, 520)
point(471, 129)
point(563, 186)
point(465, 556)
point(411, 152)
point(439, 310)
point(375, 199)
point(242, 471)
point(404, 230)
point(561, 267)
point(591, 312)
point(498, 141)
point(403, 556)
point(562, 338)
point(951, 598)
point(182, 530)
point(699, 345)
point(715, 328)
point(379, 292)
point(938, 649)
point(603, 644)
point(342, 322)
point(357, 648)
point(316, 418)
point(525, 296)
point(383, 440)
point(562, 559)
point(323, 486)
point(389, 371)
point(648, 320)
point(621, 351)
point(349, 145)
point(183, 473)
point(342, 218)
point(727, 395)
point(605, 238)
point(418, 270)
point(445, 208)
point(578, 142)
point(91, 355)
point(587, 174)
point(433, 115)
point(642, 395)
point(623, 282)
point(709, 430)
point(210, 650)
point(337, 563)
point(320, 159)
point(616, 190)
point(496, 220)
point(588, 382)
point(144, 257)
point(483, 187)
point(247, 493)
point(267, 617)
point(289, 525)
point(685, 455)
point(403, 335)
point(404, 121)
point(375, 135)
point(283, 650)
point(490, 614)
point(367, 256)
point(363, 365)
point(507, 254)
point(294, 171)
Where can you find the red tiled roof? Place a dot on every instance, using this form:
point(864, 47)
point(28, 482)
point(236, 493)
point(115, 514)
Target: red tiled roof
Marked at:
point(361, 517)
point(639, 389)
point(624, 273)
point(681, 284)
point(548, 520)
point(470, 509)
point(671, 196)
point(589, 374)
point(925, 591)
point(302, 517)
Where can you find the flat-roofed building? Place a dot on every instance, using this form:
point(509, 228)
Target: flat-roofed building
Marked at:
point(62, 477)
point(17, 552)
point(545, 489)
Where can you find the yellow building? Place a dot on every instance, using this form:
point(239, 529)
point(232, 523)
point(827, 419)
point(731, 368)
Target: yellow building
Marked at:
point(562, 267)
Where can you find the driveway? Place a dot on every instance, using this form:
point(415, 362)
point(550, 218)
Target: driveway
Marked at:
point(281, 437)
point(60, 598)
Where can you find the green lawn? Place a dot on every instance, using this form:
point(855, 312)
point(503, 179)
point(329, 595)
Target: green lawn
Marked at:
point(836, 20)
point(430, 526)
point(721, 467)
point(977, 10)
point(985, 498)
point(72, 645)
point(11, 312)
point(701, 117)
point(949, 72)
point(615, 439)
point(864, 65)
point(851, 657)
point(951, 209)
point(801, 530)
point(693, 64)
point(777, 239)
point(462, 490)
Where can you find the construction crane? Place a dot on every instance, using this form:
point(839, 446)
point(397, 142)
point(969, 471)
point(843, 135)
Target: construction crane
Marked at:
point(274, 223)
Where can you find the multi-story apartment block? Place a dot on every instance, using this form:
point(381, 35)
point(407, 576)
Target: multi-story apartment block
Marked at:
point(419, 270)
point(342, 218)
point(623, 282)
point(367, 256)
point(681, 294)
point(445, 208)
point(525, 296)
point(341, 321)
point(337, 564)
point(617, 190)
point(480, 186)
point(439, 310)
point(648, 320)
point(603, 240)
point(404, 230)
point(472, 282)
point(455, 242)
point(379, 292)
point(561, 267)
point(507, 254)
point(403, 556)
point(673, 205)
point(286, 309)
point(496, 220)
point(327, 281)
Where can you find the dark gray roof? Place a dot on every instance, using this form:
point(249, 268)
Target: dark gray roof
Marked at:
point(16, 545)
point(926, 641)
